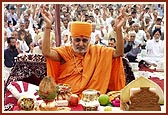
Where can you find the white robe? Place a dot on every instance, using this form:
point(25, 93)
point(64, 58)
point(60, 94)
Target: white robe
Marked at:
point(155, 51)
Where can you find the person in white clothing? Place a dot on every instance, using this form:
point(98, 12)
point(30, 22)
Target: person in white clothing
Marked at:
point(38, 49)
point(132, 47)
point(158, 25)
point(140, 34)
point(95, 35)
point(21, 43)
point(12, 15)
point(65, 36)
point(155, 48)
point(5, 39)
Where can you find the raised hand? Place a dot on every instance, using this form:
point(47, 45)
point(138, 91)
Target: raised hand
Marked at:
point(34, 6)
point(47, 16)
point(22, 36)
point(120, 20)
point(17, 45)
point(18, 5)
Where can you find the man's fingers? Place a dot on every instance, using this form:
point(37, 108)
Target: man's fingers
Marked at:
point(123, 12)
point(44, 7)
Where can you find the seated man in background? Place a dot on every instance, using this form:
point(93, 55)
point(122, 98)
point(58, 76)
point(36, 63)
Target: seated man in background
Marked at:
point(83, 65)
point(112, 42)
point(9, 55)
point(38, 48)
point(155, 49)
point(132, 47)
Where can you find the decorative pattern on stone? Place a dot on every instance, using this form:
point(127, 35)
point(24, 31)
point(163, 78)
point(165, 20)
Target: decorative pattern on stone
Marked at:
point(144, 100)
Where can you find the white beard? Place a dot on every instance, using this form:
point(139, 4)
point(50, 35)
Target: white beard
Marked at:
point(157, 39)
point(79, 51)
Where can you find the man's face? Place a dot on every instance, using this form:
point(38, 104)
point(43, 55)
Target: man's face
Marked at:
point(91, 18)
point(129, 18)
point(12, 43)
point(15, 34)
point(22, 26)
point(158, 22)
point(136, 27)
point(114, 27)
point(80, 44)
point(132, 37)
point(147, 19)
point(12, 11)
point(157, 36)
point(26, 24)
point(111, 43)
point(96, 12)
point(65, 23)
point(133, 15)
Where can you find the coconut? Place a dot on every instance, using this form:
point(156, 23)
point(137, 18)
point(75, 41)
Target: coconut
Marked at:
point(47, 89)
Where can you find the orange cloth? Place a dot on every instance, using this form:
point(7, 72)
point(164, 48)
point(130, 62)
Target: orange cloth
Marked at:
point(99, 71)
point(80, 29)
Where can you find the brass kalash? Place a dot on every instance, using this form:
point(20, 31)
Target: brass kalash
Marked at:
point(89, 100)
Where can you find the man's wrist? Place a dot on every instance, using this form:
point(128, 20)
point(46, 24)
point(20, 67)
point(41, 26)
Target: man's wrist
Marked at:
point(48, 27)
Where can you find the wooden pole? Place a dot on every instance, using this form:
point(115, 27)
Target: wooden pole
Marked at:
point(57, 25)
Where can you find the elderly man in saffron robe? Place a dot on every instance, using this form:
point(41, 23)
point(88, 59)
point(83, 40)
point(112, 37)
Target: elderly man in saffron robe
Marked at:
point(83, 65)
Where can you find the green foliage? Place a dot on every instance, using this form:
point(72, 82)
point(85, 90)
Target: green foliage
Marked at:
point(50, 96)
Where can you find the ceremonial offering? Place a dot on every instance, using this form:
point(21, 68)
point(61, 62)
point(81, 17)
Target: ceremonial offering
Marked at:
point(63, 92)
point(108, 108)
point(48, 106)
point(113, 94)
point(147, 97)
point(62, 103)
point(26, 104)
point(114, 98)
point(47, 89)
point(144, 99)
point(90, 100)
point(103, 99)
point(116, 102)
point(73, 100)
point(89, 95)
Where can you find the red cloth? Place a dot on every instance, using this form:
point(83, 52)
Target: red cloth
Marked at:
point(79, 107)
point(10, 100)
point(147, 69)
point(13, 100)
point(160, 82)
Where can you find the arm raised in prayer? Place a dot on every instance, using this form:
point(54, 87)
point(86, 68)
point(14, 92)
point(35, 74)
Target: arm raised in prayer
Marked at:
point(120, 20)
point(46, 50)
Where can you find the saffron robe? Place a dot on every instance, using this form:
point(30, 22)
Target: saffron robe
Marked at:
point(96, 70)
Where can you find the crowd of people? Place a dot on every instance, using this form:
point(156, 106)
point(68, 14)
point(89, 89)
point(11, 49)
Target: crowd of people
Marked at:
point(24, 28)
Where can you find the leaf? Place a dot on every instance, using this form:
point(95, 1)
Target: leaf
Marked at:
point(49, 97)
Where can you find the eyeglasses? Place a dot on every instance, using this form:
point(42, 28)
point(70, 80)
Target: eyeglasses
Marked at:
point(132, 36)
point(84, 40)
